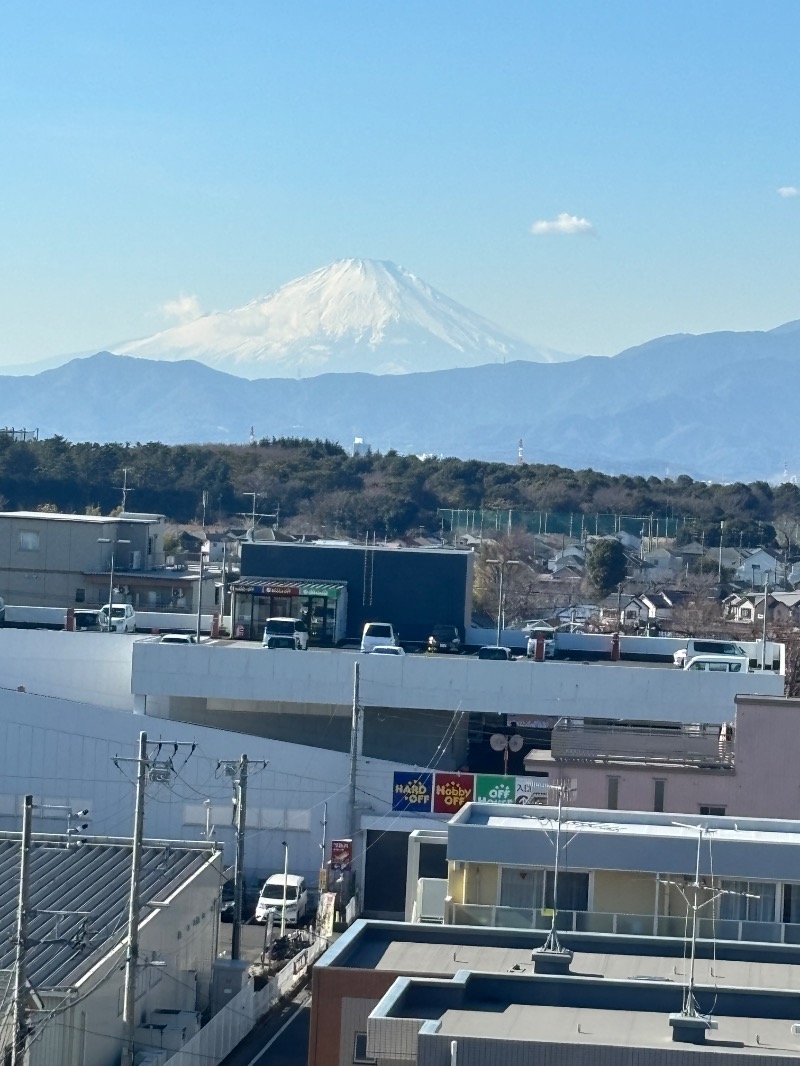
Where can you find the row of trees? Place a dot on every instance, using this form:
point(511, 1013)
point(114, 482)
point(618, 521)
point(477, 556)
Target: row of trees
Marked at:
point(317, 485)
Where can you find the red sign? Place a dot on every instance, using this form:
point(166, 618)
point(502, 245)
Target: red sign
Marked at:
point(341, 853)
point(452, 791)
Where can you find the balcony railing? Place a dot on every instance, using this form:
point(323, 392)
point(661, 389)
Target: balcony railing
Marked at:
point(630, 924)
point(685, 745)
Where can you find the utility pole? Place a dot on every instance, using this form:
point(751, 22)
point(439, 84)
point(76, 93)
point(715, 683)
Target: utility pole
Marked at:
point(355, 729)
point(238, 869)
point(20, 1036)
point(199, 598)
point(132, 959)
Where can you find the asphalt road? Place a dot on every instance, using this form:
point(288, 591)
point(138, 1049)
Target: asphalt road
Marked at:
point(281, 1039)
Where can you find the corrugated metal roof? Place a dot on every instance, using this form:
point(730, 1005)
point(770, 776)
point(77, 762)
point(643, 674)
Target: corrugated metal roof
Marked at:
point(283, 586)
point(91, 878)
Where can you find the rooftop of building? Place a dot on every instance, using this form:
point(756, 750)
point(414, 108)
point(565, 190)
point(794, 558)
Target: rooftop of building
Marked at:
point(444, 950)
point(345, 546)
point(589, 1011)
point(87, 519)
point(79, 898)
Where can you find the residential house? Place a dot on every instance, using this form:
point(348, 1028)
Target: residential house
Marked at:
point(757, 567)
point(572, 554)
point(219, 546)
point(783, 608)
point(660, 605)
point(663, 561)
point(625, 611)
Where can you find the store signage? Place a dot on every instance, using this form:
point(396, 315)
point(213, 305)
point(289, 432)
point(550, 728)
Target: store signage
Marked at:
point(412, 791)
point(495, 788)
point(341, 854)
point(531, 790)
point(452, 791)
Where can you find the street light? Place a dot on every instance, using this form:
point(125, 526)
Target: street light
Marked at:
point(285, 886)
point(116, 543)
point(502, 563)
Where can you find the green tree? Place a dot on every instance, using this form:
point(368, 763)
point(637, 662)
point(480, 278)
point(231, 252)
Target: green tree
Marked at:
point(606, 565)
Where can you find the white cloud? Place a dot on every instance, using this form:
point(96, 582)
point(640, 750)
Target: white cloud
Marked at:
point(563, 223)
point(182, 309)
point(788, 191)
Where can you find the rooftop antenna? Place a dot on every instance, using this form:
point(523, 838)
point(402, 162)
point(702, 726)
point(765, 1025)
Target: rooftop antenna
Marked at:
point(690, 1025)
point(253, 515)
point(125, 488)
point(252, 441)
point(551, 957)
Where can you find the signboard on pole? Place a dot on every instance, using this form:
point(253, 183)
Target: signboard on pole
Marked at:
point(413, 791)
point(326, 914)
point(531, 790)
point(341, 854)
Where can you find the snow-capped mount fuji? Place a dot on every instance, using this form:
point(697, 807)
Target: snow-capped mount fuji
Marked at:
point(353, 315)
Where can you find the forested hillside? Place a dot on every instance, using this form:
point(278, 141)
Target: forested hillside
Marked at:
point(317, 485)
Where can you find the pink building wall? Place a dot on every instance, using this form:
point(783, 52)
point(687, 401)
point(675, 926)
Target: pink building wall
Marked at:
point(765, 781)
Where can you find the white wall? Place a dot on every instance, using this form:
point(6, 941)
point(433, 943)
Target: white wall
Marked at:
point(63, 753)
point(90, 667)
point(439, 682)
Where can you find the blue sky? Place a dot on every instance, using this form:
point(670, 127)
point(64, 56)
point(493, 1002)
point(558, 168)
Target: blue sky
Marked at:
point(216, 150)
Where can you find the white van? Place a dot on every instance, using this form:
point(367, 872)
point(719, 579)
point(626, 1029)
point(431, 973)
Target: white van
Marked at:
point(706, 647)
point(270, 898)
point(724, 664)
point(293, 628)
point(123, 618)
point(377, 635)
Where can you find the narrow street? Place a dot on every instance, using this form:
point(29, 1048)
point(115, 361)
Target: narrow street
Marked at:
point(281, 1039)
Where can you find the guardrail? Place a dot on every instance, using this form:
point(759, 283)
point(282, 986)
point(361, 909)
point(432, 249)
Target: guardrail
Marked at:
point(236, 1019)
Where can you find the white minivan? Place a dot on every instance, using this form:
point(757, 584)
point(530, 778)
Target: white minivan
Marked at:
point(285, 629)
point(123, 618)
point(271, 896)
point(706, 647)
point(723, 664)
point(377, 635)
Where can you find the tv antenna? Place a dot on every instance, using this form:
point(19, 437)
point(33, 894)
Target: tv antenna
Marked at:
point(125, 488)
point(689, 1015)
point(501, 742)
point(551, 957)
point(253, 515)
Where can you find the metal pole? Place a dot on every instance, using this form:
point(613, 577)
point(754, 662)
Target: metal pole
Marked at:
point(764, 630)
point(238, 865)
point(324, 843)
point(354, 729)
point(500, 603)
point(111, 590)
point(131, 962)
point(719, 568)
point(285, 886)
point(199, 599)
point(20, 976)
point(689, 1006)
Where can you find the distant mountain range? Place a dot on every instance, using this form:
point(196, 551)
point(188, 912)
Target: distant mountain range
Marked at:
point(717, 406)
point(354, 315)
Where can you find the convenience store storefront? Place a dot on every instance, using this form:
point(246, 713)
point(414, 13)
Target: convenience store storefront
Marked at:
point(322, 605)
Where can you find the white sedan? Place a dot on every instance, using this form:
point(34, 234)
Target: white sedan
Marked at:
point(387, 649)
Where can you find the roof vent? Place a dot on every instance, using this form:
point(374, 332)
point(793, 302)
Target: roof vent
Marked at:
point(690, 1028)
point(548, 960)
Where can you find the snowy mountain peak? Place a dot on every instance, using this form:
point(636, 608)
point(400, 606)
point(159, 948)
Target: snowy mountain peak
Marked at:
point(352, 315)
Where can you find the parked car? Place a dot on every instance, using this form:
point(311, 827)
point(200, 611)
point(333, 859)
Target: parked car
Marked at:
point(706, 647)
point(377, 635)
point(719, 663)
point(86, 620)
point(286, 627)
point(445, 638)
point(123, 618)
point(495, 652)
point(178, 638)
point(288, 643)
point(271, 898)
point(226, 901)
point(549, 642)
point(387, 649)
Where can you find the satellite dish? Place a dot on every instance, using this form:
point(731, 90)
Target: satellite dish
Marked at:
point(498, 742)
point(515, 742)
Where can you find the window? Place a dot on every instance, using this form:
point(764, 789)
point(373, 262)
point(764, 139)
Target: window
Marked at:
point(659, 788)
point(713, 812)
point(573, 891)
point(791, 904)
point(28, 541)
point(360, 1048)
point(80, 595)
point(521, 889)
point(746, 614)
point(612, 800)
point(748, 901)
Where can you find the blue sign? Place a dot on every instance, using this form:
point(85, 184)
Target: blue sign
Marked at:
point(412, 791)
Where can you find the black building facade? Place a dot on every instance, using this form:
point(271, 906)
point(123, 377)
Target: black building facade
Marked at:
point(412, 588)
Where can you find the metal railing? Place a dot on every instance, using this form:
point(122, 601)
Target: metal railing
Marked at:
point(613, 922)
point(685, 745)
